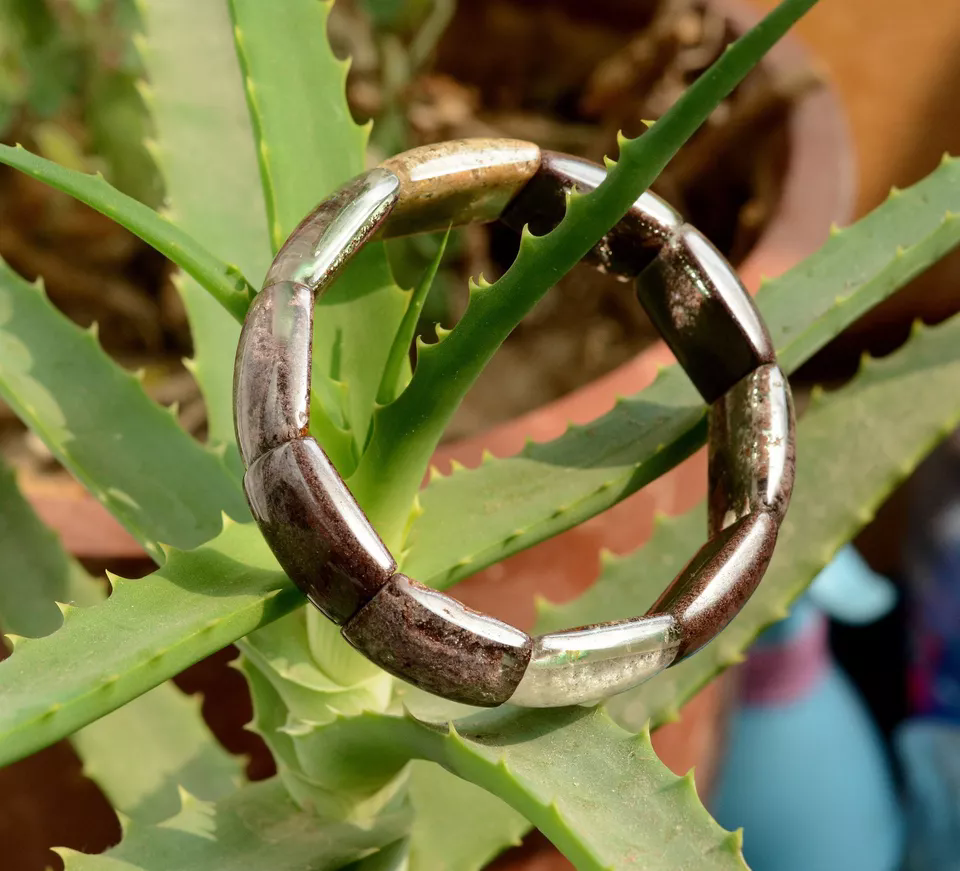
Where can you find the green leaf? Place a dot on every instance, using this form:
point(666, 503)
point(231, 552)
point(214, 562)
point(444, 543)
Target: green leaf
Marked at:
point(224, 283)
point(476, 517)
point(536, 760)
point(206, 155)
point(854, 446)
point(600, 794)
point(635, 813)
point(98, 422)
point(469, 501)
point(396, 371)
point(147, 631)
point(295, 681)
point(35, 571)
point(256, 828)
point(308, 146)
point(407, 431)
point(457, 826)
point(141, 754)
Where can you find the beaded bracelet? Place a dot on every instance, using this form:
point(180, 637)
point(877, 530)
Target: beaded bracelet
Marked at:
point(322, 538)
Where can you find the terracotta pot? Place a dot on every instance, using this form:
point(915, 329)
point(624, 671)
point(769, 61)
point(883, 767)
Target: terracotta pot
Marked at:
point(818, 190)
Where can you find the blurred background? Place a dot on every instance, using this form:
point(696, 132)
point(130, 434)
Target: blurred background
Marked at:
point(865, 96)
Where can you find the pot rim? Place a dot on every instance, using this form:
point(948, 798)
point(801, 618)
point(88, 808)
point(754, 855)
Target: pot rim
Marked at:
point(819, 191)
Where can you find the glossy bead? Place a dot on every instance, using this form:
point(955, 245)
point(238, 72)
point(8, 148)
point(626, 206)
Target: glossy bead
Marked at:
point(704, 314)
point(458, 182)
point(628, 248)
point(594, 662)
point(432, 641)
point(315, 528)
point(752, 450)
point(335, 230)
point(717, 582)
point(271, 379)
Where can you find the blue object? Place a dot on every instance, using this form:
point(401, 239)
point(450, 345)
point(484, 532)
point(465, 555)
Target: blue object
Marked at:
point(929, 752)
point(806, 774)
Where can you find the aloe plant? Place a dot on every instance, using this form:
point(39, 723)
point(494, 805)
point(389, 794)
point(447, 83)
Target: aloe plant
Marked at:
point(251, 128)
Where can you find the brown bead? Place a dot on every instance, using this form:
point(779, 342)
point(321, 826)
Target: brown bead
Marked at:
point(627, 249)
point(458, 182)
point(704, 314)
point(271, 380)
point(752, 450)
point(315, 528)
point(717, 582)
point(432, 641)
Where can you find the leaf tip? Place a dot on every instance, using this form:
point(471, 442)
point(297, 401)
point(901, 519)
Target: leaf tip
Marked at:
point(14, 640)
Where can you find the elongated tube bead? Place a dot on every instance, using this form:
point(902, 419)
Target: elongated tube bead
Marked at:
point(590, 663)
point(704, 314)
point(334, 231)
point(271, 380)
point(627, 248)
point(717, 582)
point(752, 450)
point(458, 182)
point(315, 528)
point(434, 642)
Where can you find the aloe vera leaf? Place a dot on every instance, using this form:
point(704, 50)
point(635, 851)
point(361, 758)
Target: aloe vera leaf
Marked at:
point(457, 826)
point(290, 687)
point(539, 762)
point(257, 827)
point(205, 151)
point(922, 227)
point(35, 571)
point(396, 371)
point(96, 419)
point(535, 760)
point(407, 431)
point(854, 446)
point(636, 811)
point(308, 146)
point(147, 631)
point(141, 754)
point(139, 646)
point(35, 574)
point(476, 517)
point(223, 282)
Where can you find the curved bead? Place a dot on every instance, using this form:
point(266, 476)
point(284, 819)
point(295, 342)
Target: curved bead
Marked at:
point(335, 230)
point(704, 314)
point(593, 662)
point(430, 640)
point(271, 379)
point(628, 248)
point(315, 528)
point(458, 182)
point(752, 450)
point(717, 582)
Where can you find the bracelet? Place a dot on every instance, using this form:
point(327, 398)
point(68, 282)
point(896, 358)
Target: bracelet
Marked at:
point(325, 543)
